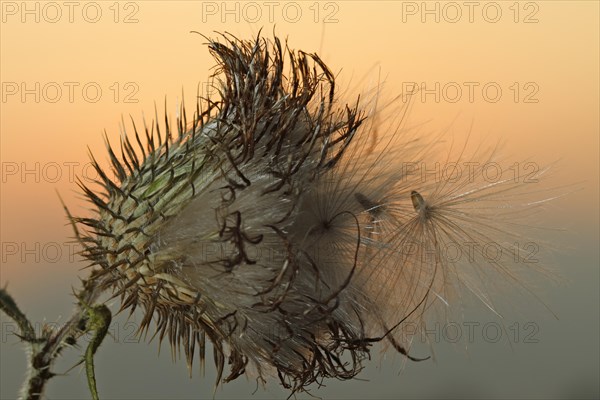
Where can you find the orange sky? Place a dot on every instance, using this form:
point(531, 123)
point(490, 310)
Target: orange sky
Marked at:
point(547, 70)
point(542, 55)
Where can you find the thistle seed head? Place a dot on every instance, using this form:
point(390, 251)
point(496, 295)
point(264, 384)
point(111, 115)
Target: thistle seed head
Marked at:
point(197, 227)
point(268, 227)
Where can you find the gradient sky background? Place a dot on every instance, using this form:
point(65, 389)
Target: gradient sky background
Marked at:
point(548, 50)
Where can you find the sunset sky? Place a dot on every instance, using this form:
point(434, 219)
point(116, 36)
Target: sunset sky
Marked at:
point(523, 74)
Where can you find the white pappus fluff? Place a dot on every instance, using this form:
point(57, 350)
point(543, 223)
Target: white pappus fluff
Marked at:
point(280, 225)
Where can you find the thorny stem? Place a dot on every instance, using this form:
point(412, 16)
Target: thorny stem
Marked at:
point(10, 308)
point(45, 348)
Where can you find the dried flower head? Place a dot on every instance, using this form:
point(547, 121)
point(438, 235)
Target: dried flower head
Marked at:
point(275, 224)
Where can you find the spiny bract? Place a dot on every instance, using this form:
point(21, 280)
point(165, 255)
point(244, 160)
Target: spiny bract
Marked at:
point(267, 224)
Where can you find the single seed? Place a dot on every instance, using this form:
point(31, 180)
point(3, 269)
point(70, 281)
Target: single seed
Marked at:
point(417, 201)
point(421, 206)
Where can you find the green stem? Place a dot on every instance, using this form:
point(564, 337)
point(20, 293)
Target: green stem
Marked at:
point(45, 349)
point(99, 318)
